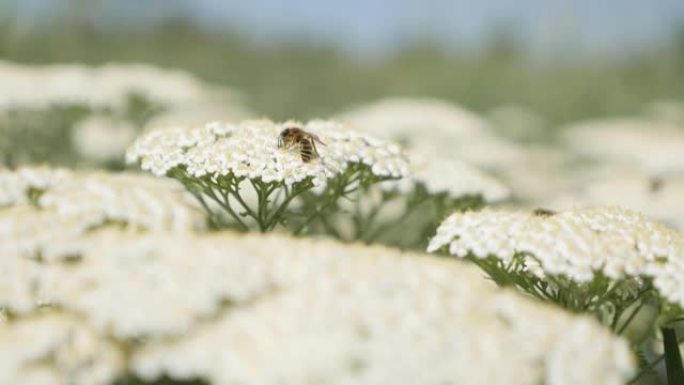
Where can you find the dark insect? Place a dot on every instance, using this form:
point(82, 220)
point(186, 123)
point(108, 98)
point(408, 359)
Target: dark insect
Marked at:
point(656, 185)
point(540, 212)
point(305, 142)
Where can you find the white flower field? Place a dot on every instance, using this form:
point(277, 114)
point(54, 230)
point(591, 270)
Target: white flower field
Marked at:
point(154, 229)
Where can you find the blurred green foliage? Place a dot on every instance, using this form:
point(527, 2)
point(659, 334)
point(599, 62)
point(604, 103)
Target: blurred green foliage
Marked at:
point(25, 138)
point(304, 81)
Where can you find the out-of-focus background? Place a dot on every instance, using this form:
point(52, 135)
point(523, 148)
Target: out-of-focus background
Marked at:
point(566, 102)
point(564, 60)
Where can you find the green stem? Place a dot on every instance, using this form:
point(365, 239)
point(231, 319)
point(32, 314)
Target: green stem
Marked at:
point(273, 220)
point(262, 210)
point(330, 228)
point(313, 216)
point(226, 205)
point(630, 318)
point(650, 366)
point(603, 298)
point(213, 220)
point(616, 317)
point(673, 357)
point(647, 369)
point(235, 192)
point(338, 191)
point(382, 229)
point(636, 310)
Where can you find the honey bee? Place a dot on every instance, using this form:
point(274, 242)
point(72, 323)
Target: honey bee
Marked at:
point(305, 142)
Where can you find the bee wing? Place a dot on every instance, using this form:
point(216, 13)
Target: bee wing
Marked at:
point(317, 139)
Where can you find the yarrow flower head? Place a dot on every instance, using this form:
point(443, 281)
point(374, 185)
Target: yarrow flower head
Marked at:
point(25, 184)
point(601, 247)
point(659, 198)
point(250, 149)
point(650, 146)
point(109, 85)
point(102, 139)
point(216, 161)
point(58, 207)
point(91, 199)
point(440, 175)
point(253, 309)
point(437, 127)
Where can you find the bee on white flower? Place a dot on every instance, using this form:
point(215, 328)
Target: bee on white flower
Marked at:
point(294, 136)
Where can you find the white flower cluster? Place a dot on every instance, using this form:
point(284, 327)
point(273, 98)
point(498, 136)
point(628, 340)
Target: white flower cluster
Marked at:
point(435, 127)
point(659, 198)
point(574, 243)
point(16, 186)
point(250, 149)
point(93, 198)
point(254, 309)
point(101, 139)
point(106, 86)
point(543, 172)
point(52, 348)
point(70, 205)
point(446, 175)
point(652, 147)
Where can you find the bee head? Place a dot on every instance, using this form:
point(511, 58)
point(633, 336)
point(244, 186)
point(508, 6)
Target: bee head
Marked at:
point(283, 135)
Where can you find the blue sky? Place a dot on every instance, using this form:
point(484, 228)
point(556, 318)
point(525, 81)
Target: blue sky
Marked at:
point(616, 26)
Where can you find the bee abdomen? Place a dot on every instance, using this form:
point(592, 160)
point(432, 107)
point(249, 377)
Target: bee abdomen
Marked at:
point(306, 150)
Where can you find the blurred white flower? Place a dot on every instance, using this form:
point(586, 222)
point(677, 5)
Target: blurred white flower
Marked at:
point(18, 187)
point(257, 309)
point(53, 347)
point(139, 201)
point(437, 127)
point(106, 86)
point(659, 198)
point(92, 198)
point(190, 116)
point(576, 244)
point(447, 175)
point(653, 147)
point(250, 150)
point(102, 139)
point(516, 121)
point(543, 172)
